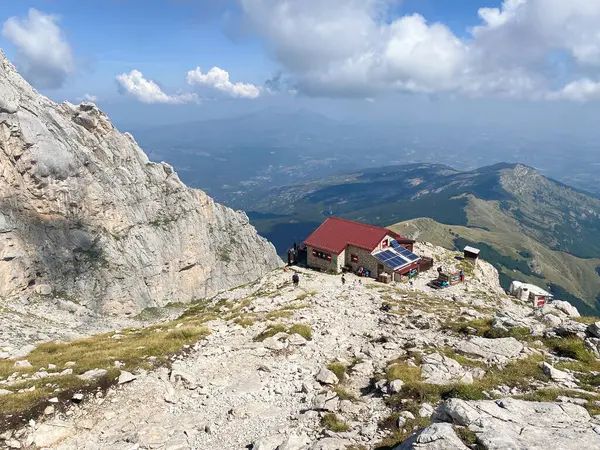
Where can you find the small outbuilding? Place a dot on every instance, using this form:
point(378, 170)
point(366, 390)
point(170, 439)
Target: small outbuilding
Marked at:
point(471, 253)
point(530, 293)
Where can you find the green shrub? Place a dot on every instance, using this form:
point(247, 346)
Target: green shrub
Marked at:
point(339, 369)
point(302, 329)
point(343, 394)
point(270, 332)
point(245, 321)
point(570, 348)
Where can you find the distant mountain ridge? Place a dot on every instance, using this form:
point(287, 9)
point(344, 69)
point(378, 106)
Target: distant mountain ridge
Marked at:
point(519, 211)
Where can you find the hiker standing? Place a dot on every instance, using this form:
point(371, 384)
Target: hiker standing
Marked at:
point(295, 279)
point(343, 280)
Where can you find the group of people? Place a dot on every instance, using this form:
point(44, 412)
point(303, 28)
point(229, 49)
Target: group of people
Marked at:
point(294, 253)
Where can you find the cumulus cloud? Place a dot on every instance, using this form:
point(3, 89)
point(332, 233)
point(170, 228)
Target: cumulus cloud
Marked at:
point(88, 98)
point(218, 79)
point(147, 91)
point(579, 91)
point(44, 56)
point(522, 49)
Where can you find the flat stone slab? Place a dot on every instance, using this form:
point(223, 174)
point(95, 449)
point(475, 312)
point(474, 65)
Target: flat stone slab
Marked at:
point(491, 349)
point(518, 424)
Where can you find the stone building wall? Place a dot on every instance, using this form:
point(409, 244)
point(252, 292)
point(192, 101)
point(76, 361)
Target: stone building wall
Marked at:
point(336, 263)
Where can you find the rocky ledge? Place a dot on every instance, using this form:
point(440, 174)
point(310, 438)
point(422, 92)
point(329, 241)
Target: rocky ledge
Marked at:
point(331, 366)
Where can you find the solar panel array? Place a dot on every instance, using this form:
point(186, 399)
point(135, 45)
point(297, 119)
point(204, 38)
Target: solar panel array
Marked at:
point(397, 257)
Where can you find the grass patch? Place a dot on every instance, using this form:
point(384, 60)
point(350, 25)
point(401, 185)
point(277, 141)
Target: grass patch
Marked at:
point(515, 374)
point(305, 295)
point(481, 326)
point(279, 314)
point(404, 372)
point(297, 307)
point(331, 422)
point(399, 435)
point(469, 438)
point(551, 395)
point(461, 359)
point(484, 328)
point(144, 348)
point(302, 329)
point(343, 394)
point(270, 332)
point(570, 348)
point(245, 321)
point(339, 369)
point(588, 320)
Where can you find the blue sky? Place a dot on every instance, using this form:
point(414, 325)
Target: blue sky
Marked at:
point(162, 38)
point(165, 38)
point(140, 54)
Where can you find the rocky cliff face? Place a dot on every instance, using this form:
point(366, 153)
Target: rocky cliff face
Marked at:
point(84, 214)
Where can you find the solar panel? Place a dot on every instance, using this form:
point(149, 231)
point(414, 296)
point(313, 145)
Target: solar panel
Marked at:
point(395, 243)
point(397, 257)
point(410, 256)
point(385, 255)
point(397, 262)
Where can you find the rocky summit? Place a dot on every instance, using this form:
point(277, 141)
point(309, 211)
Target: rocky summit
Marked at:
point(85, 216)
point(323, 366)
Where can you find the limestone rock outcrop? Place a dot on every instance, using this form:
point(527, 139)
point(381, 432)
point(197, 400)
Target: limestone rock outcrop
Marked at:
point(84, 214)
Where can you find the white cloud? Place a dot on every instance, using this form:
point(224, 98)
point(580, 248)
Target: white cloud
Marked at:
point(44, 56)
point(219, 79)
point(88, 98)
point(147, 91)
point(579, 91)
point(354, 48)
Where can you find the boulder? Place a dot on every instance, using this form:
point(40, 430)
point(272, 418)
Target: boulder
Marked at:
point(439, 436)
point(49, 434)
point(557, 375)
point(93, 374)
point(326, 376)
point(552, 319)
point(571, 328)
point(566, 307)
point(493, 350)
point(593, 329)
point(268, 443)
point(296, 339)
point(426, 410)
point(23, 364)
point(126, 377)
point(272, 343)
point(43, 289)
point(187, 378)
point(395, 386)
point(294, 442)
point(520, 424)
point(330, 444)
point(440, 369)
point(364, 368)
point(22, 352)
point(152, 436)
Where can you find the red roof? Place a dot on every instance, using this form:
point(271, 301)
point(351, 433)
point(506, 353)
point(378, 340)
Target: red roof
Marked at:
point(335, 234)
